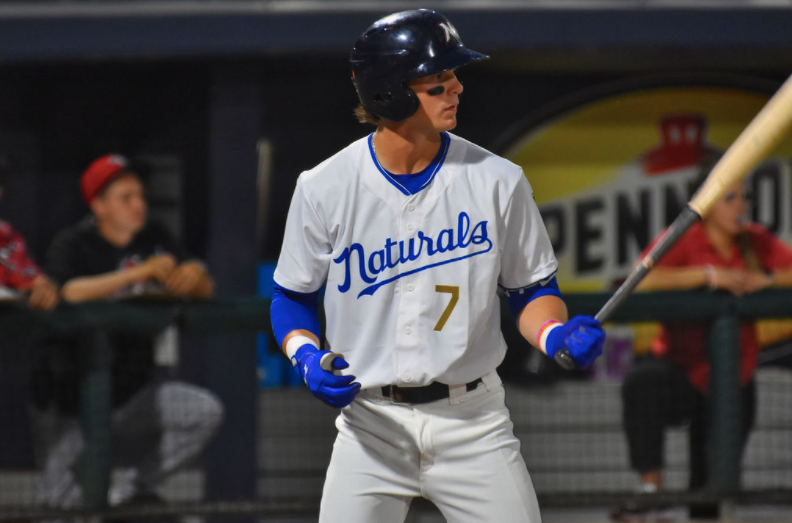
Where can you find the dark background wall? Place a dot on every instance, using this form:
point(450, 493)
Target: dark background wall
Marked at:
point(80, 79)
point(56, 118)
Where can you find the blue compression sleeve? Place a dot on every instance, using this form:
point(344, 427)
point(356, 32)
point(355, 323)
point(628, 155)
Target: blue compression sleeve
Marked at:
point(519, 298)
point(292, 310)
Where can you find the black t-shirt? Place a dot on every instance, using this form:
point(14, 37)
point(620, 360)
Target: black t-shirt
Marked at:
point(81, 251)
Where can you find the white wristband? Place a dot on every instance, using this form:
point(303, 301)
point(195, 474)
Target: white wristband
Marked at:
point(545, 331)
point(294, 343)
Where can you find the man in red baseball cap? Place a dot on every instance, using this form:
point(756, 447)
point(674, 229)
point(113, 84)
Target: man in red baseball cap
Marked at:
point(117, 252)
point(99, 174)
point(129, 255)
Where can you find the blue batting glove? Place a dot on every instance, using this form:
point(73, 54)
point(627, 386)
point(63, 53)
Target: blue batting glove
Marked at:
point(336, 391)
point(582, 336)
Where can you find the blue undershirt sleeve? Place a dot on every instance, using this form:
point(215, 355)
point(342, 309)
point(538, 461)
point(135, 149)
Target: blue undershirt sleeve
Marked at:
point(519, 298)
point(292, 310)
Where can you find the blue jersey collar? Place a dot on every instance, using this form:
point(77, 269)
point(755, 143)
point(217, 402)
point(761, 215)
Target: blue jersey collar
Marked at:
point(410, 184)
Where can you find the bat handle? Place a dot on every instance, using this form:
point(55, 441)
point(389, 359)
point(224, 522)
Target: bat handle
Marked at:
point(327, 361)
point(564, 359)
point(682, 223)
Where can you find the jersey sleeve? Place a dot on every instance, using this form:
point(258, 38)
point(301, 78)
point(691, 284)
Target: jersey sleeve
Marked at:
point(306, 252)
point(17, 268)
point(526, 252)
point(293, 310)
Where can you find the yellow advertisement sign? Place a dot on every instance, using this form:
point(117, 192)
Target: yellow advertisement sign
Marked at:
point(609, 175)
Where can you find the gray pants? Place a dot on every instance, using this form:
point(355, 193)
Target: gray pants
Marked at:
point(158, 430)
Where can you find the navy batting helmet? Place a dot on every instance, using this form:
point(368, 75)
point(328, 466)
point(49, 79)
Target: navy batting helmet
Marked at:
point(399, 48)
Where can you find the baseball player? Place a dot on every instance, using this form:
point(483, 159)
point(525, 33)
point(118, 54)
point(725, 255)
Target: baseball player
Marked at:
point(413, 230)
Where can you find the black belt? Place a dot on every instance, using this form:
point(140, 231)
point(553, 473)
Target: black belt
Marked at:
point(432, 392)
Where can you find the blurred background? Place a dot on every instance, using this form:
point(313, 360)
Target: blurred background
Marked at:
point(610, 107)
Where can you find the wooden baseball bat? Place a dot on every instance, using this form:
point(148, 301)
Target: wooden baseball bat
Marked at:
point(756, 141)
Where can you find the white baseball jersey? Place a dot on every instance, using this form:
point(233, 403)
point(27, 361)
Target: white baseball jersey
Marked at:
point(412, 279)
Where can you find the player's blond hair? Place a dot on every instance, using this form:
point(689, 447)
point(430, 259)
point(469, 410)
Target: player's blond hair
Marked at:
point(365, 116)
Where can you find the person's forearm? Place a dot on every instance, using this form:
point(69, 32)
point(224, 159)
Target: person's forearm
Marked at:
point(781, 278)
point(204, 288)
point(537, 312)
point(97, 287)
point(678, 278)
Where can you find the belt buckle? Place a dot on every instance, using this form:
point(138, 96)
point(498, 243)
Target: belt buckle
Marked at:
point(395, 395)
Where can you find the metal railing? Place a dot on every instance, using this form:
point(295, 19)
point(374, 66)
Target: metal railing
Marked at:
point(91, 322)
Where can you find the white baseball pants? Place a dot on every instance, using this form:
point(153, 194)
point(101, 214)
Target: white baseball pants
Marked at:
point(463, 457)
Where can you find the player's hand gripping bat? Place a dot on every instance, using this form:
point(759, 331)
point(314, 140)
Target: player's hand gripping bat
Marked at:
point(754, 143)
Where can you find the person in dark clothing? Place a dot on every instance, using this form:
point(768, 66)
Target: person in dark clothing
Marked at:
point(158, 425)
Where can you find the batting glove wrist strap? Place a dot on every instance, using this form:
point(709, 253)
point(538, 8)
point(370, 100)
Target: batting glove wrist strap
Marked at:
point(582, 336)
point(294, 344)
point(336, 390)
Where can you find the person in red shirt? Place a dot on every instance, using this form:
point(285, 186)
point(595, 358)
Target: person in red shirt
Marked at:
point(670, 387)
point(18, 272)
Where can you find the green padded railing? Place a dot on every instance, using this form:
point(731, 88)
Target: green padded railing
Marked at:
point(92, 321)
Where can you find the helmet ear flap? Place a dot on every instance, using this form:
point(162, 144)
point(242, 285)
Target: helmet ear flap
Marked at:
point(396, 105)
point(389, 102)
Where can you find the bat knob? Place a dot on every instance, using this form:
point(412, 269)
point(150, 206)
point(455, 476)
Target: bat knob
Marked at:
point(563, 358)
point(327, 361)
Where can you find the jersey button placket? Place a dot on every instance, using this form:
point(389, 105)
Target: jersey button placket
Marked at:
point(409, 310)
